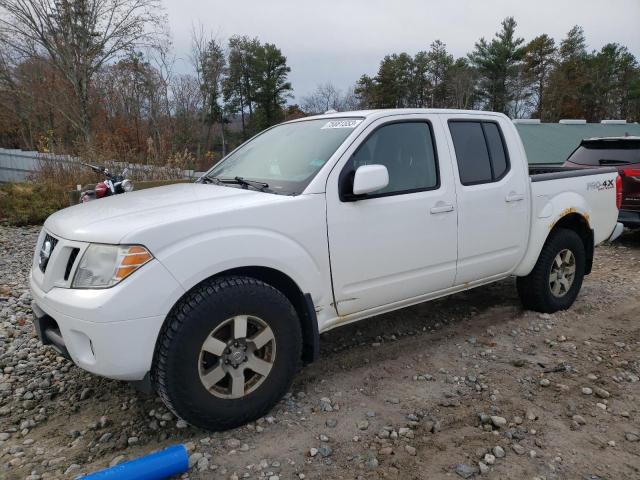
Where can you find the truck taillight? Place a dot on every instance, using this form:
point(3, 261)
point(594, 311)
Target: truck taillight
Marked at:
point(631, 172)
point(618, 192)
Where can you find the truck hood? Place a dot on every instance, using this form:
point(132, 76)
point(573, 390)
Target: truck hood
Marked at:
point(110, 219)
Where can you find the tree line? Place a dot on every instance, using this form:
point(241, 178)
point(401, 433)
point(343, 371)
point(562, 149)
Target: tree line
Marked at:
point(99, 77)
point(538, 79)
point(89, 76)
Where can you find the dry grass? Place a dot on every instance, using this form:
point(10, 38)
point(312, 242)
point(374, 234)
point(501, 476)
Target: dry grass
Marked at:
point(29, 203)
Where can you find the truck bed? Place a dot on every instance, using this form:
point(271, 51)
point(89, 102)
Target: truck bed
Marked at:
point(545, 172)
point(557, 191)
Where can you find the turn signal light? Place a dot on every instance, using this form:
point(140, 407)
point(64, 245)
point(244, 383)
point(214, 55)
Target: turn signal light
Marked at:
point(134, 257)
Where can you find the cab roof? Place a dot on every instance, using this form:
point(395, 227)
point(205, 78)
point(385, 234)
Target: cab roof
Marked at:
point(386, 112)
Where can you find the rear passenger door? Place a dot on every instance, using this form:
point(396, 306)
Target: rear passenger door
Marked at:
point(493, 213)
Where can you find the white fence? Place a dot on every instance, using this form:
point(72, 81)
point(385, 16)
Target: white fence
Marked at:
point(16, 165)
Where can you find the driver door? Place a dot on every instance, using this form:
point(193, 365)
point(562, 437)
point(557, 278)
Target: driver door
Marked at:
point(400, 242)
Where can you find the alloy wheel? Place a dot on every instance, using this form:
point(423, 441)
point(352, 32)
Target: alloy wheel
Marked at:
point(563, 273)
point(237, 356)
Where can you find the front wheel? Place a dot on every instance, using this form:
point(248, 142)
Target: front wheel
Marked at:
point(555, 281)
point(227, 353)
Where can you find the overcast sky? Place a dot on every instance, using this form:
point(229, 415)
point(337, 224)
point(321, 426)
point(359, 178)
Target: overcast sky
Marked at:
point(339, 40)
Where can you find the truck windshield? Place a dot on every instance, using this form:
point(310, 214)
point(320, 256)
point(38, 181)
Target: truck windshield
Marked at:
point(286, 157)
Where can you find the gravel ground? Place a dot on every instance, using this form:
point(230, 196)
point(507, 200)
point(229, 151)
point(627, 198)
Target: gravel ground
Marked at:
point(467, 386)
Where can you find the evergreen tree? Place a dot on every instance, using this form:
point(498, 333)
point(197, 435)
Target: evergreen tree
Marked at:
point(256, 84)
point(238, 86)
point(539, 60)
point(439, 61)
point(270, 84)
point(498, 64)
point(567, 81)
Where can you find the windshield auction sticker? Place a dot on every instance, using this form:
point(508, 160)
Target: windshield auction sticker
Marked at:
point(342, 124)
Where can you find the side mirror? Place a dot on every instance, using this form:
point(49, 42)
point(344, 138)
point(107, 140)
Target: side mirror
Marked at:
point(369, 179)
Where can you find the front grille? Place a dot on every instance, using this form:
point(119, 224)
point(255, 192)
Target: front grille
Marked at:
point(46, 250)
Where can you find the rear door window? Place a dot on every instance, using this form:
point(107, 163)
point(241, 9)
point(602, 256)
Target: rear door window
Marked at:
point(496, 150)
point(480, 151)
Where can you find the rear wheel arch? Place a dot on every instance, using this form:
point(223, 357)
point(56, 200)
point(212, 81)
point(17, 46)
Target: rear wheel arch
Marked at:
point(579, 224)
point(561, 263)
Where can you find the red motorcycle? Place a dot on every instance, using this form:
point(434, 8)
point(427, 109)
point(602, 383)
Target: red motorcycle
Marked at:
point(114, 184)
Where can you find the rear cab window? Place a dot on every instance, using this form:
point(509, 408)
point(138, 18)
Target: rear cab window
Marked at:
point(604, 153)
point(480, 151)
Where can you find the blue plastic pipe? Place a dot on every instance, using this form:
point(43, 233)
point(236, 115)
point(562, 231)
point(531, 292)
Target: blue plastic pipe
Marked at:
point(157, 466)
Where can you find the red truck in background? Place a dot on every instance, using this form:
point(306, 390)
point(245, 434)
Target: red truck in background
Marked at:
point(622, 153)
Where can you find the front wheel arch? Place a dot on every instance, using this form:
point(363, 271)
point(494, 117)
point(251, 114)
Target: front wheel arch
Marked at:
point(301, 301)
point(193, 321)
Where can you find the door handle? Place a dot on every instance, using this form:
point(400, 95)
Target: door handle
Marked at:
point(442, 208)
point(514, 197)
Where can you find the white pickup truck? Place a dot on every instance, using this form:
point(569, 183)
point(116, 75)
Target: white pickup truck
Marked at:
point(215, 292)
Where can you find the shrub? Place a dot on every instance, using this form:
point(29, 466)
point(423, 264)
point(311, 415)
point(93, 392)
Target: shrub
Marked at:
point(29, 203)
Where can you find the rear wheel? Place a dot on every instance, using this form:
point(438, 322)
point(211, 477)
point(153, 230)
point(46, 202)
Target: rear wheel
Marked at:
point(227, 353)
point(555, 281)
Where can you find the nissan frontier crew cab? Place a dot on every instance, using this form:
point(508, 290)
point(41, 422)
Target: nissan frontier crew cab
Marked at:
point(215, 292)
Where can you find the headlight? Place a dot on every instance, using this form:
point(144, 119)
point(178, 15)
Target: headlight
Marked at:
point(127, 185)
point(103, 266)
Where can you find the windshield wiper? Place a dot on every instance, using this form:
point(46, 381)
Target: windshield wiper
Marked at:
point(244, 182)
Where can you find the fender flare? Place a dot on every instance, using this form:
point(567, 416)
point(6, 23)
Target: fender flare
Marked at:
point(576, 218)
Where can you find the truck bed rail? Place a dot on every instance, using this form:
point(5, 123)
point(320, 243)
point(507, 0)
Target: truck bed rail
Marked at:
point(542, 173)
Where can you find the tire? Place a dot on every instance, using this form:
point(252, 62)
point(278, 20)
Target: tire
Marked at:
point(536, 290)
point(181, 362)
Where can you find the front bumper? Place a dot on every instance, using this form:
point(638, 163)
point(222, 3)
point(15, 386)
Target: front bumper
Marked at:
point(48, 331)
point(110, 332)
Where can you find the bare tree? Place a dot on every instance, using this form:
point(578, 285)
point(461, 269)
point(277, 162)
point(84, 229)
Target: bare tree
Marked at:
point(350, 100)
point(79, 37)
point(327, 97)
point(209, 62)
point(461, 78)
point(162, 57)
point(185, 93)
point(13, 98)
